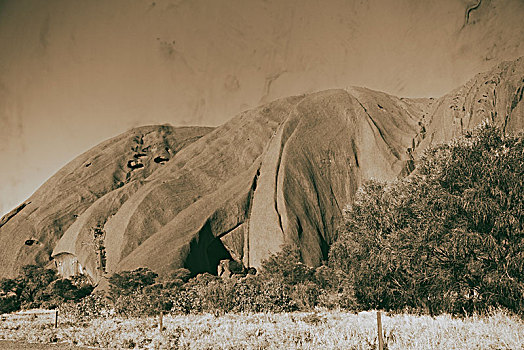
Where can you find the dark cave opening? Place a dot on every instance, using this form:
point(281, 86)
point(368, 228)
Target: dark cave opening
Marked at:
point(205, 252)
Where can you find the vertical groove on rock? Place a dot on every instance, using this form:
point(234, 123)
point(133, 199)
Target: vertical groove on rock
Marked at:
point(391, 149)
point(275, 192)
point(248, 216)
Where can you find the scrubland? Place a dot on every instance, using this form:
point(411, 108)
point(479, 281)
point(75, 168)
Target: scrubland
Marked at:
point(321, 329)
point(445, 241)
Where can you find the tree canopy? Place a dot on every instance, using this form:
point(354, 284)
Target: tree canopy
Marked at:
point(449, 237)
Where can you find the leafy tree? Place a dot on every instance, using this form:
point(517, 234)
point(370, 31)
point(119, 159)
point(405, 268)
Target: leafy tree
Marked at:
point(33, 281)
point(9, 295)
point(286, 267)
point(39, 287)
point(83, 287)
point(128, 282)
point(62, 290)
point(177, 278)
point(447, 238)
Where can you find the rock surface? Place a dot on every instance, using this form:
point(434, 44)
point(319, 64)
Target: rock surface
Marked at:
point(278, 174)
point(97, 181)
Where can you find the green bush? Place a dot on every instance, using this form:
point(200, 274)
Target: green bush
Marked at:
point(129, 282)
point(449, 238)
point(33, 282)
point(207, 293)
point(37, 287)
point(9, 303)
point(142, 303)
point(286, 267)
point(92, 306)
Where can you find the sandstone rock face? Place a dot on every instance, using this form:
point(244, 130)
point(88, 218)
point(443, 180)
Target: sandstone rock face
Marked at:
point(167, 198)
point(97, 181)
point(494, 96)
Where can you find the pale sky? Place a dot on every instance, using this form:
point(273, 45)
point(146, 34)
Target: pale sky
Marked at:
point(74, 73)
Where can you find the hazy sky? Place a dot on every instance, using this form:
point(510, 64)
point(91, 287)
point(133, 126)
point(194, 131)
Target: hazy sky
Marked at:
point(74, 73)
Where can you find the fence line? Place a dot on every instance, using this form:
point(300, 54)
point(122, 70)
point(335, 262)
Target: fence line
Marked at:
point(52, 315)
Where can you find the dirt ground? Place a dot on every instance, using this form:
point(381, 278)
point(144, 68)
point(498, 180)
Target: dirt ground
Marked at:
point(12, 345)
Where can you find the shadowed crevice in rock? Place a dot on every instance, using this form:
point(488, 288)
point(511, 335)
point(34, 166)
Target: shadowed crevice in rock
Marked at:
point(275, 192)
point(161, 159)
point(355, 152)
point(469, 9)
point(517, 97)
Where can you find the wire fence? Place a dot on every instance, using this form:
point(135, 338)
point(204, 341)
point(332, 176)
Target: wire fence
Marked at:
point(36, 314)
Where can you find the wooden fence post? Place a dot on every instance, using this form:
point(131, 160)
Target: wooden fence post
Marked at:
point(56, 319)
point(379, 324)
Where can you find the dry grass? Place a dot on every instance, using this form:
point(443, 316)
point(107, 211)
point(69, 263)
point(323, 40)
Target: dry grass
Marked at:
point(316, 330)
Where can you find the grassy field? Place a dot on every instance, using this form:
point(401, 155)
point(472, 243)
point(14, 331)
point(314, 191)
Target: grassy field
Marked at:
point(314, 330)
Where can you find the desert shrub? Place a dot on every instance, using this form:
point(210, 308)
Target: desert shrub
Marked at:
point(284, 284)
point(181, 274)
point(263, 294)
point(213, 293)
point(137, 293)
point(58, 291)
point(177, 278)
point(305, 295)
point(9, 303)
point(37, 287)
point(83, 291)
point(10, 291)
point(207, 293)
point(323, 286)
point(92, 306)
point(335, 289)
point(285, 266)
point(142, 303)
point(129, 282)
point(448, 238)
point(33, 282)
